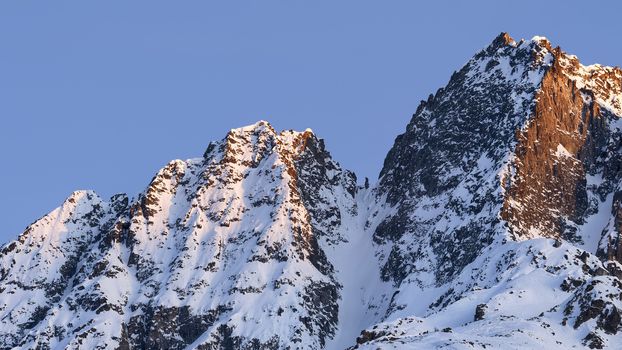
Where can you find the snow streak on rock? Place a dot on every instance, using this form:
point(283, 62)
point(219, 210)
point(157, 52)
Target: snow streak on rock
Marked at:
point(221, 251)
point(523, 144)
point(496, 223)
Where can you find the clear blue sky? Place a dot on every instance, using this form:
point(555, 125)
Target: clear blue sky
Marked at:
point(100, 94)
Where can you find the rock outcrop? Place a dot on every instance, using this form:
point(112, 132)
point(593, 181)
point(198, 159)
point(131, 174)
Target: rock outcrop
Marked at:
point(496, 223)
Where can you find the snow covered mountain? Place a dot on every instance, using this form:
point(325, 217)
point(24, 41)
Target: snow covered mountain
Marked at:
point(495, 223)
point(505, 195)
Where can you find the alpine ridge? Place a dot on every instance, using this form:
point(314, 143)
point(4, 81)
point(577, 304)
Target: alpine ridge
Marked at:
point(495, 224)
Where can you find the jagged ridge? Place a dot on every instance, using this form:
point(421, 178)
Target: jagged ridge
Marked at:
point(494, 224)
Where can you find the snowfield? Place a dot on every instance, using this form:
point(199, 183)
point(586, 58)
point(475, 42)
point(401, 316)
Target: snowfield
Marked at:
point(495, 224)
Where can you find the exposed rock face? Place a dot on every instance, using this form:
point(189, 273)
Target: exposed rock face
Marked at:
point(480, 312)
point(612, 243)
point(496, 223)
point(547, 172)
point(565, 142)
point(47, 260)
point(522, 143)
point(438, 173)
point(213, 246)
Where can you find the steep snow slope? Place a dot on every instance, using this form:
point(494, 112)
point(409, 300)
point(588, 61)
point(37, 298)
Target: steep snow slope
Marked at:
point(495, 224)
point(522, 144)
point(43, 263)
point(228, 250)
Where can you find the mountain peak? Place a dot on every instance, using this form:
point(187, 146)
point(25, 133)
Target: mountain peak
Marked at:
point(506, 185)
point(80, 196)
point(259, 125)
point(503, 39)
point(539, 38)
point(80, 203)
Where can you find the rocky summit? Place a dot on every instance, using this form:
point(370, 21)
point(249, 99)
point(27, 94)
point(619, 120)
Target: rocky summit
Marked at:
point(496, 223)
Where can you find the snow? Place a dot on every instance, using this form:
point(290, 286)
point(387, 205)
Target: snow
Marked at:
point(233, 234)
point(524, 296)
point(602, 81)
point(538, 39)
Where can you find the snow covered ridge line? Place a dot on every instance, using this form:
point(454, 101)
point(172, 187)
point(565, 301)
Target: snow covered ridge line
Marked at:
point(480, 165)
point(495, 223)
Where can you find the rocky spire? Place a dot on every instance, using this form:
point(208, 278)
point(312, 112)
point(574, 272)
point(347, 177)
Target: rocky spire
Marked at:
point(496, 223)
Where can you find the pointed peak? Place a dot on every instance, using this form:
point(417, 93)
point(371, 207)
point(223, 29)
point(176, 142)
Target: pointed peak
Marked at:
point(542, 42)
point(81, 196)
point(245, 134)
point(260, 125)
point(539, 38)
point(79, 203)
point(500, 42)
point(261, 128)
point(503, 39)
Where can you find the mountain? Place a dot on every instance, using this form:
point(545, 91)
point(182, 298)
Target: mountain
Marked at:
point(495, 223)
point(505, 196)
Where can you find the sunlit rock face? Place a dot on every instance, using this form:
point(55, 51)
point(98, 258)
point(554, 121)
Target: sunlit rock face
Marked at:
point(217, 251)
point(520, 154)
point(495, 223)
